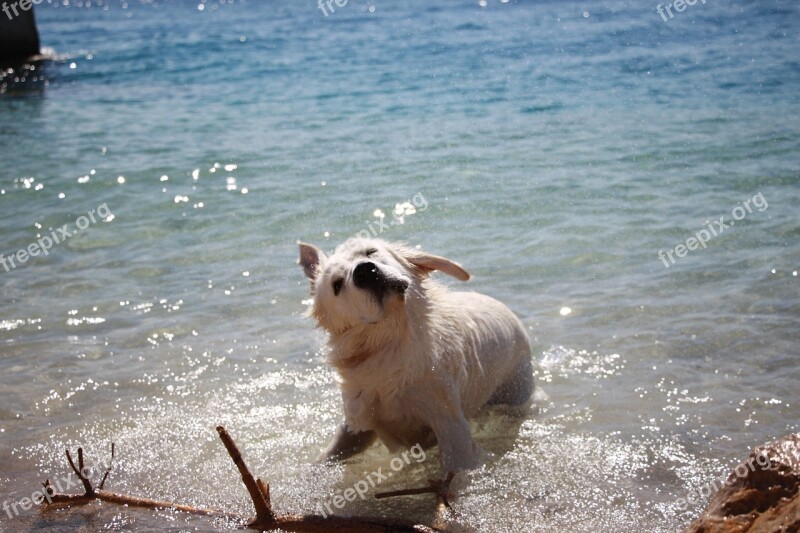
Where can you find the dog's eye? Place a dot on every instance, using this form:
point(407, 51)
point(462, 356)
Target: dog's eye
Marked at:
point(371, 251)
point(337, 286)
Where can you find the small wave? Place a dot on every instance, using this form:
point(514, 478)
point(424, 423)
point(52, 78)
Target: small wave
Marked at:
point(532, 109)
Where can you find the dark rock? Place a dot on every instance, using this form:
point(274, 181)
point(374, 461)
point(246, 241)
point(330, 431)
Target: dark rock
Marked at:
point(760, 495)
point(19, 38)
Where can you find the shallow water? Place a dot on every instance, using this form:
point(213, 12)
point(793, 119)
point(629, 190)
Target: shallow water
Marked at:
point(558, 147)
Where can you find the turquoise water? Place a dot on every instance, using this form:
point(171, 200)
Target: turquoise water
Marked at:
point(558, 147)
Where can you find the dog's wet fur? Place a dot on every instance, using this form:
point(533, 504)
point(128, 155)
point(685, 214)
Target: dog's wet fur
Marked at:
point(415, 359)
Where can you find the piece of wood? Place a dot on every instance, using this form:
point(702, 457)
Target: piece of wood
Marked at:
point(264, 515)
point(132, 501)
point(440, 488)
point(265, 520)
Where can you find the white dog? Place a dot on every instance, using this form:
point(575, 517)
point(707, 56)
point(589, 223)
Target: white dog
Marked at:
point(415, 359)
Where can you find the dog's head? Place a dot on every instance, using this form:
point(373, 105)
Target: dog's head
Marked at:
point(365, 280)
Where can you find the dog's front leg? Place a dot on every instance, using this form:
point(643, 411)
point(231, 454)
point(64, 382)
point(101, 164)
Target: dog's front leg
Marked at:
point(459, 450)
point(346, 443)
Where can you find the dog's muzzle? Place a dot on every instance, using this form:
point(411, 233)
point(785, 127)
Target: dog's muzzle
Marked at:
point(369, 277)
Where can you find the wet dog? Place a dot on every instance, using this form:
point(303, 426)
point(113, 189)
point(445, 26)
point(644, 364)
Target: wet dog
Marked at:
point(415, 359)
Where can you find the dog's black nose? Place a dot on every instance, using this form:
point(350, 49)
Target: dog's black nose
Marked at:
point(369, 276)
point(366, 275)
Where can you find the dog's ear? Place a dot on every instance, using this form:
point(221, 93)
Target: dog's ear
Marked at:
point(429, 262)
point(311, 259)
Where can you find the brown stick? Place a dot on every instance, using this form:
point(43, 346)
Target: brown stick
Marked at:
point(87, 485)
point(406, 492)
point(263, 488)
point(264, 514)
point(134, 501)
point(265, 518)
point(108, 470)
point(440, 488)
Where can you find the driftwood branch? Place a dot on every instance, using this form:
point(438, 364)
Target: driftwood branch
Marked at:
point(79, 471)
point(260, 497)
point(108, 470)
point(440, 488)
point(54, 498)
point(265, 520)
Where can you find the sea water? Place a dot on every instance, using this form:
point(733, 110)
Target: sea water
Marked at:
point(569, 154)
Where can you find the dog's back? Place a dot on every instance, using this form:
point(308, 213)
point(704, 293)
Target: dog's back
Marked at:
point(494, 348)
